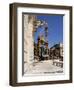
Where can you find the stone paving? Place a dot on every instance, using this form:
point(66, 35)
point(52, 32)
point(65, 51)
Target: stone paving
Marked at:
point(43, 67)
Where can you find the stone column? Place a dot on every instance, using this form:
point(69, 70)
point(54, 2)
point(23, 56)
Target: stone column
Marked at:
point(28, 39)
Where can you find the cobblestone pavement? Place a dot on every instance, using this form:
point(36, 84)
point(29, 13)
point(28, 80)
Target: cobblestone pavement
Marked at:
point(43, 67)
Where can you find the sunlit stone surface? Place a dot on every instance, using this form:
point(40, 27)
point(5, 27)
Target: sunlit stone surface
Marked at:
point(28, 41)
point(43, 67)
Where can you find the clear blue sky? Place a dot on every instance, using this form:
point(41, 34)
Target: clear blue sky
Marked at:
point(55, 28)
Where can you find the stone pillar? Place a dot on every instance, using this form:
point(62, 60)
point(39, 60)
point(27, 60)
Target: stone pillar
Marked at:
point(28, 39)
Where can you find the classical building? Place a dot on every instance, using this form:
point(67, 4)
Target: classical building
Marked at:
point(41, 49)
point(56, 51)
point(56, 54)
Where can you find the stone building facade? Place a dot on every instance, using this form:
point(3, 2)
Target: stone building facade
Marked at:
point(41, 49)
point(56, 51)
